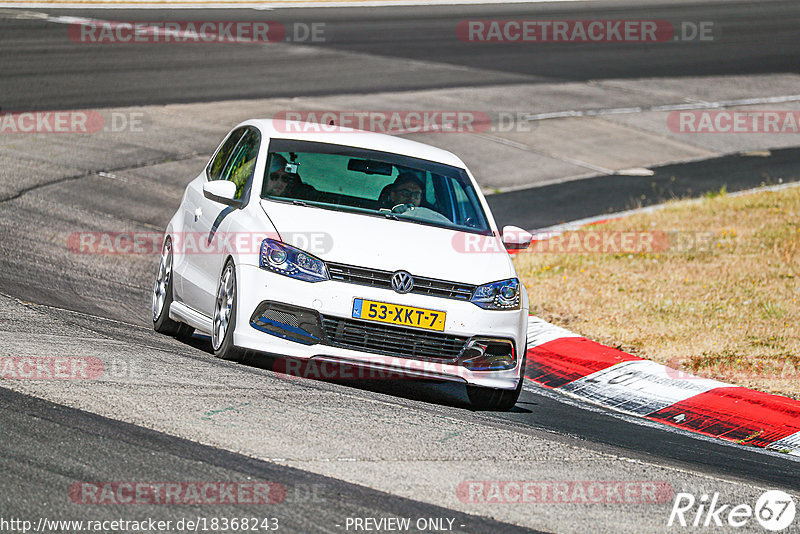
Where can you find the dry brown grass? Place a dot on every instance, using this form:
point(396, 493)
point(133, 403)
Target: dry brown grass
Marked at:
point(724, 306)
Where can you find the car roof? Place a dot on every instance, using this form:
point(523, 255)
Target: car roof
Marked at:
point(304, 131)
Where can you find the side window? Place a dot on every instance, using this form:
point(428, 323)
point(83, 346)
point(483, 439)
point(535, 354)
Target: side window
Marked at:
point(465, 209)
point(242, 163)
point(214, 169)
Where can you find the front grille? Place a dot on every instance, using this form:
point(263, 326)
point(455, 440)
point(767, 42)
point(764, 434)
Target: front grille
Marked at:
point(281, 317)
point(383, 279)
point(392, 340)
point(360, 275)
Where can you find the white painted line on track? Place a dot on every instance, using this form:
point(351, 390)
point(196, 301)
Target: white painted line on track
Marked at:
point(264, 6)
point(720, 104)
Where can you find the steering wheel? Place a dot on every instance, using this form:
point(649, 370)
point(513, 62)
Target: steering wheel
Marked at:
point(402, 208)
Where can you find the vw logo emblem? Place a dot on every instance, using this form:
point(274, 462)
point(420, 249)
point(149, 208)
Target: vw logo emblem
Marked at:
point(402, 282)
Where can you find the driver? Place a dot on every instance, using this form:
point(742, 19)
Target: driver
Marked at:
point(279, 182)
point(406, 189)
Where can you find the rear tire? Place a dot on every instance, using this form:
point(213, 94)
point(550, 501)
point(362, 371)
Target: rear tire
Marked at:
point(224, 320)
point(162, 294)
point(496, 400)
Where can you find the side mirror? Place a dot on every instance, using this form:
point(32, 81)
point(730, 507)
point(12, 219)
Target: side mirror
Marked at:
point(221, 191)
point(515, 238)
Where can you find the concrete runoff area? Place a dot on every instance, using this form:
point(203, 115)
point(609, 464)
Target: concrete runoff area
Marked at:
point(530, 153)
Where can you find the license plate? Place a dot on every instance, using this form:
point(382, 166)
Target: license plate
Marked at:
point(383, 312)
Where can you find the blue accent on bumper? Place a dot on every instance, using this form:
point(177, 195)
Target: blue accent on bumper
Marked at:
point(287, 327)
point(357, 303)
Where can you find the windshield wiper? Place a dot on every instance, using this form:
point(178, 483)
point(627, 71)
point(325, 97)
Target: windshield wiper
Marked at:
point(391, 216)
point(300, 203)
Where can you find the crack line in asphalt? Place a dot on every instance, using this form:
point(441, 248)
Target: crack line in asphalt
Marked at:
point(65, 179)
point(566, 159)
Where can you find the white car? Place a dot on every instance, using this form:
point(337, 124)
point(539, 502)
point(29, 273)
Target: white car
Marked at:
point(348, 247)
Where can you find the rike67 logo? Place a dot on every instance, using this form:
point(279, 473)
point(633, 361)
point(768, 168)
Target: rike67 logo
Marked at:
point(774, 510)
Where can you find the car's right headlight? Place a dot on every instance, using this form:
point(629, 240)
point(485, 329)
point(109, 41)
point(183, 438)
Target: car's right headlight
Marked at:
point(502, 295)
point(289, 261)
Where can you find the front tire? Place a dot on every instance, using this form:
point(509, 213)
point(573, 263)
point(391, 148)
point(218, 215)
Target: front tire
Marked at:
point(224, 321)
point(162, 294)
point(497, 400)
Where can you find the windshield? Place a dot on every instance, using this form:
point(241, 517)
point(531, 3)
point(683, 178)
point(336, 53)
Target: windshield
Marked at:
point(373, 183)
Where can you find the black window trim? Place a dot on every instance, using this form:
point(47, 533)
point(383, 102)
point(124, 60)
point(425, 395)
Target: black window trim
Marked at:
point(245, 198)
point(222, 144)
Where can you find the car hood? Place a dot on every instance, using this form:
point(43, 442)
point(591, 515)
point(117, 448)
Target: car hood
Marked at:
point(391, 245)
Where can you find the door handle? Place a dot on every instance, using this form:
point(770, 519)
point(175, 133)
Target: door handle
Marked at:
point(197, 214)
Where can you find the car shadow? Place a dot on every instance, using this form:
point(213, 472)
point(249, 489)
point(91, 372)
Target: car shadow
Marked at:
point(440, 392)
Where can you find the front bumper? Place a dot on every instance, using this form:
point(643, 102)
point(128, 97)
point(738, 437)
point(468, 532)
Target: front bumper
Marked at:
point(333, 301)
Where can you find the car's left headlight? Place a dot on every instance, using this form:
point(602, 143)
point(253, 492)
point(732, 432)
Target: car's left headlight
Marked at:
point(502, 295)
point(290, 261)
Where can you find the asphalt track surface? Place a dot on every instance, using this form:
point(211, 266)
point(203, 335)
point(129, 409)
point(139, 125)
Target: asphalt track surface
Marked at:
point(45, 445)
point(366, 50)
point(549, 205)
point(48, 446)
